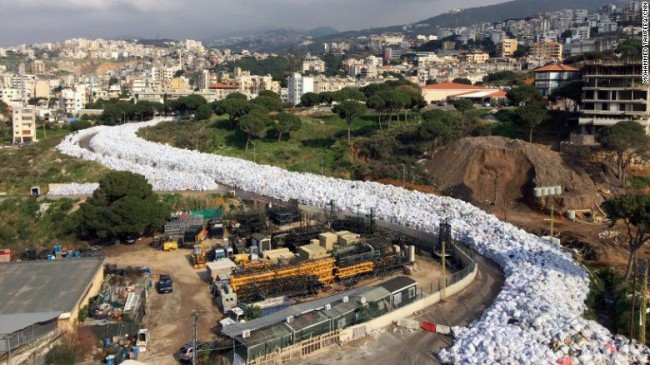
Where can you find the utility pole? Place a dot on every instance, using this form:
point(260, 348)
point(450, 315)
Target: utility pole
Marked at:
point(194, 337)
point(444, 269)
point(403, 175)
point(633, 298)
point(644, 303)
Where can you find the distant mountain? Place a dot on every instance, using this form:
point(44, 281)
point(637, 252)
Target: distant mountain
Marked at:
point(273, 40)
point(516, 9)
point(322, 32)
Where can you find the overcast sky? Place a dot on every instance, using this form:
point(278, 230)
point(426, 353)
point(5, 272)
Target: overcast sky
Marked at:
point(31, 21)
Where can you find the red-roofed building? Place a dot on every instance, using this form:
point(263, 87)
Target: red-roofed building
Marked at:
point(550, 77)
point(443, 91)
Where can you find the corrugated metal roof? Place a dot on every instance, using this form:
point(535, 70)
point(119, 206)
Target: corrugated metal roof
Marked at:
point(398, 283)
point(295, 310)
point(374, 294)
point(307, 320)
point(10, 323)
point(45, 286)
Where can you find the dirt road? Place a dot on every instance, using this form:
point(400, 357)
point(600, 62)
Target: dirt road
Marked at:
point(168, 316)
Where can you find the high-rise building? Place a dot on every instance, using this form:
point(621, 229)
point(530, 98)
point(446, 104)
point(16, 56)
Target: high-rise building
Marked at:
point(24, 124)
point(613, 93)
point(299, 85)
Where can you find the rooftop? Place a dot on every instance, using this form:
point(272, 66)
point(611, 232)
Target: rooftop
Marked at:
point(398, 283)
point(45, 286)
point(555, 68)
point(451, 85)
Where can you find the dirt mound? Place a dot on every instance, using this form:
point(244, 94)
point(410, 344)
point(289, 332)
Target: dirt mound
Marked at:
point(490, 171)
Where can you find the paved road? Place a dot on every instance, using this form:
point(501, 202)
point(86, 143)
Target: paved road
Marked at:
point(395, 347)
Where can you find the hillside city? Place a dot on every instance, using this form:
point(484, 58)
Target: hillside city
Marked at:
point(425, 194)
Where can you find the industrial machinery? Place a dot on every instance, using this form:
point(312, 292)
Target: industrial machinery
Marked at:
point(284, 215)
point(198, 257)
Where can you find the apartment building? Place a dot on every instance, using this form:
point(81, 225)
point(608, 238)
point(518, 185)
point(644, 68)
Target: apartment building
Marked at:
point(37, 67)
point(550, 77)
point(474, 57)
point(72, 101)
point(299, 85)
point(548, 50)
point(613, 93)
point(24, 124)
point(313, 64)
point(507, 47)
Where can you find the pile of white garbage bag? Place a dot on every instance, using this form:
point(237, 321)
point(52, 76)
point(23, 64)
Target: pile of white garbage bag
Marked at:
point(537, 317)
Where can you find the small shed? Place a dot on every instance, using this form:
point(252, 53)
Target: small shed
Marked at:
point(402, 289)
point(219, 267)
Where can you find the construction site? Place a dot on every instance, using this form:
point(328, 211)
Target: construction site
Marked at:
point(254, 265)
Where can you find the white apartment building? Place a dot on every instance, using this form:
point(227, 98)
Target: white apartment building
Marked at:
point(299, 85)
point(72, 101)
point(11, 96)
point(24, 124)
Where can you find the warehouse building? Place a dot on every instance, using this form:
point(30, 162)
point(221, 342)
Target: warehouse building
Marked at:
point(41, 297)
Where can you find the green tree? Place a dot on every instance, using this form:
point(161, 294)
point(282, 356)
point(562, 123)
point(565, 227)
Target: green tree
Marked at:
point(463, 105)
point(462, 80)
point(379, 105)
point(524, 95)
point(203, 112)
point(269, 93)
point(634, 212)
point(287, 123)
point(532, 116)
point(5, 118)
point(630, 48)
point(254, 124)
point(124, 204)
point(113, 81)
point(239, 96)
point(571, 90)
point(233, 107)
point(348, 110)
point(348, 93)
point(627, 141)
point(310, 99)
point(269, 103)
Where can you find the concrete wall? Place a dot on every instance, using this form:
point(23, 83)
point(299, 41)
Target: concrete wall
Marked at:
point(387, 319)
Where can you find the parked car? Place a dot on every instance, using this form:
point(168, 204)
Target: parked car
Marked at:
point(129, 240)
point(184, 354)
point(164, 284)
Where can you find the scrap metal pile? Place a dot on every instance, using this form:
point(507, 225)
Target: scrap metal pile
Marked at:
point(543, 297)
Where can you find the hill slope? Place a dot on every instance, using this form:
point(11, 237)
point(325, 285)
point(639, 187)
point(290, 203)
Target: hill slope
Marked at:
point(516, 9)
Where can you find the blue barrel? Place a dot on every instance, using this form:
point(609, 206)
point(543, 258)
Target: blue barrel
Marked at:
point(147, 271)
point(107, 341)
point(136, 352)
point(110, 360)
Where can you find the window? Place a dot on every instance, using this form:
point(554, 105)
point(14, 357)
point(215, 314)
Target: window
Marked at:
point(397, 299)
point(412, 292)
point(341, 323)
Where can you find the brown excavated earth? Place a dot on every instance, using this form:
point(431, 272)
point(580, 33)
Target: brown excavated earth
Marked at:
point(497, 171)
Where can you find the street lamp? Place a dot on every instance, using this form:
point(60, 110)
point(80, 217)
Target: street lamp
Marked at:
point(548, 191)
point(403, 175)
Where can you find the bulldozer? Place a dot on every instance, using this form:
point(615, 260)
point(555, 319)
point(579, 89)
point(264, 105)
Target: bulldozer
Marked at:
point(198, 257)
